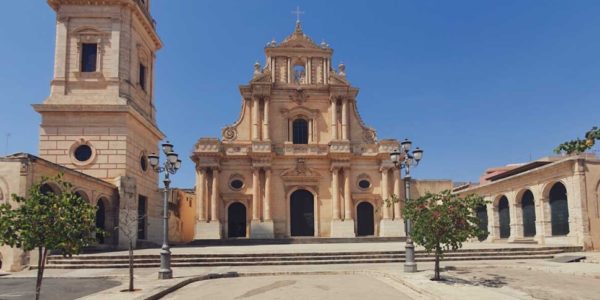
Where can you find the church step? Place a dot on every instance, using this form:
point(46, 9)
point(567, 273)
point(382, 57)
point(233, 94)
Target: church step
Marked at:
point(294, 262)
point(296, 240)
point(301, 254)
point(334, 256)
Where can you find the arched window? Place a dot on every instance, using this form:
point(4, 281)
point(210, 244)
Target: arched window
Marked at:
point(559, 210)
point(300, 131)
point(528, 211)
point(504, 217)
point(299, 74)
point(482, 215)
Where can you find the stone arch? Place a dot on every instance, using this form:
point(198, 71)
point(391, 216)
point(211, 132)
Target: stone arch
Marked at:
point(81, 193)
point(365, 218)
point(502, 210)
point(50, 187)
point(559, 209)
point(4, 190)
point(237, 213)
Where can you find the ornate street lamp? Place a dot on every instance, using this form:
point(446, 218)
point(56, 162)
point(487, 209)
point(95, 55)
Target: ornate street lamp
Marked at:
point(171, 165)
point(403, 159)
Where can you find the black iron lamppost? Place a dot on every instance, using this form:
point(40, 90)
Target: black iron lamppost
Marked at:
point(171, 165)
point(403, 159)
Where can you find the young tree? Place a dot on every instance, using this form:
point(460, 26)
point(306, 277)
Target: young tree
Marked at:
point(578, 145)
point(129, 228)
point(443, 222)
point(48, 221)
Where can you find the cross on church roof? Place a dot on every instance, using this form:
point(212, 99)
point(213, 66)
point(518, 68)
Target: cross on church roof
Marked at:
point(297, 12)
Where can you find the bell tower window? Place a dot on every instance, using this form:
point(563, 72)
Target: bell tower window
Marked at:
point(300, 131)
point(89, 57)
point(299, 74)
point(142, 79)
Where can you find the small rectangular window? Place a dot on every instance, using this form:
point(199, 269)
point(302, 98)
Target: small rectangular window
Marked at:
point(142, 217)
point(142, 79)
point(89, 53)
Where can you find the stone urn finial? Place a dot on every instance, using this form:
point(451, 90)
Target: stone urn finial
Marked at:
point(342, 69)
point(257, 69)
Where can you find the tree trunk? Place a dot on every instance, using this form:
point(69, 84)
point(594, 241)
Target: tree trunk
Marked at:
point(42, 253)
point(130, 266)
point(438, 252)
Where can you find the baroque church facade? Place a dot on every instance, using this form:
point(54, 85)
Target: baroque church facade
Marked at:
point(299, 161)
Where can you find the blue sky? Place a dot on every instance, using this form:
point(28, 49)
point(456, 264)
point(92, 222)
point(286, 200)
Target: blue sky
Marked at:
point(474, 83)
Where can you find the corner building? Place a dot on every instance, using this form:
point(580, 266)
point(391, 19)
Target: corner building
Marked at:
point(299, 161)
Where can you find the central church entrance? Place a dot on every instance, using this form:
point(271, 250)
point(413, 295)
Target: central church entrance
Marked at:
point(365, 219)
point(302, 216)
point(236, 220)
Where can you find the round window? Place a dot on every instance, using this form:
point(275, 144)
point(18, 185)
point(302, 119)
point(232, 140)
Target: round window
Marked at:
point(364, 184)
point(83, 153)
point(144, 162)
point(236, 184)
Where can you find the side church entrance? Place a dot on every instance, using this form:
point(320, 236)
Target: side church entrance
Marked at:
point(302, 216)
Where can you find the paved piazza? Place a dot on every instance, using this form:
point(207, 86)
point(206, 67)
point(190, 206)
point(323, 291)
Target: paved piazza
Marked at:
point(299, 287)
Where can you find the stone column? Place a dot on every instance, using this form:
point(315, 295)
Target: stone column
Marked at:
point(267, 198)
point(308, 71)
point(255, 193)
point(347, 196)
point(335, 193)
point(200, 188)
point(516, 229)
point(334, 135)
point(289, 71)
point(255, 122)
point(265, 130)
point(397, 205)
point(214, 199)
point(345, 119)
point(385, 192)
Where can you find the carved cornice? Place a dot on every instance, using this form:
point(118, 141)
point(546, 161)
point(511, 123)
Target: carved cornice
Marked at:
point(135, 5)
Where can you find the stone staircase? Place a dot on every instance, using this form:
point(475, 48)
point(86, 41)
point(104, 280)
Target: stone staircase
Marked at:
point(298, 258)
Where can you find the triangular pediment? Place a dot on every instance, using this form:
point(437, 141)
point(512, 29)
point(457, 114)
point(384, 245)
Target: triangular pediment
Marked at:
point(298, 40)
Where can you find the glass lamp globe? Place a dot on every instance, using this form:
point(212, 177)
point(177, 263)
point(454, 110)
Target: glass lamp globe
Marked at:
point(153, 159)
point(167, 147)
point(418, 154)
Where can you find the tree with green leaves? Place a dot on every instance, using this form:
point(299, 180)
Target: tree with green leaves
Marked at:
point(442, 222)
point(48, 221)
point(578, 146)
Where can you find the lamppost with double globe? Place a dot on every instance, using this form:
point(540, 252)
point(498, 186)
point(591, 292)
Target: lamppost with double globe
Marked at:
point(404, 159)
point(171, 165)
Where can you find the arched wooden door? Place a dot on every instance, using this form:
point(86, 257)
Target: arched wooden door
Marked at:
point(236, 220)
point(302, 218)
point(365, 220)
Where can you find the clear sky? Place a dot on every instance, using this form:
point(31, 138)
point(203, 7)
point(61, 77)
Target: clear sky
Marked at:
point(474, 83)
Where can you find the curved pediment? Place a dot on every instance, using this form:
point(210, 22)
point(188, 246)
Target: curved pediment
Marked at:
point(301, 172)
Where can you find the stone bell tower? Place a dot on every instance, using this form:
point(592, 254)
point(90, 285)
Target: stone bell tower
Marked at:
point(100, 116)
